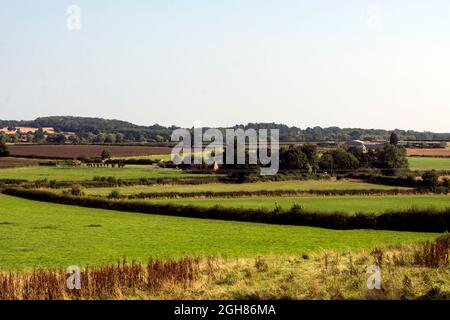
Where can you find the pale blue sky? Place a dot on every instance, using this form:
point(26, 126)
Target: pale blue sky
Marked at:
point(372, 64)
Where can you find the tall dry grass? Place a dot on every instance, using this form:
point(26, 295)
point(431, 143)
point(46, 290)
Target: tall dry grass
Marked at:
point(105, 282)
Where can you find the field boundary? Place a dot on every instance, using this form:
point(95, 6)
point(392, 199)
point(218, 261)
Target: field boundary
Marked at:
point(414, 219)
point(266, 193)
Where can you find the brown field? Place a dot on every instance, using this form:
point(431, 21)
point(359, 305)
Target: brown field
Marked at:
point(73, 151)
point(9, 162)
point(441, 152)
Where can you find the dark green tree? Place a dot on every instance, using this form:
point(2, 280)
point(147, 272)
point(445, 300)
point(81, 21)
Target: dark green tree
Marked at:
point(392, 159)
point(293, 159)
point(39, 136)
point(393, 138)
point(310, 150)
point(430, 179)
point(4, 152)
point(106, 154)
point(338, 160)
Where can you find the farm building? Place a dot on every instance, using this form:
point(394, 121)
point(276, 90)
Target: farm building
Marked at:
point(365, 146)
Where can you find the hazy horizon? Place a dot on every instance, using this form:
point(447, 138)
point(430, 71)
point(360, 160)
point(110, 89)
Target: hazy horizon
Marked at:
point(350, 64)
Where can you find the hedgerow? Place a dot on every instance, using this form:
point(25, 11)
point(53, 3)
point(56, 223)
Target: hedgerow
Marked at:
point(413, 219)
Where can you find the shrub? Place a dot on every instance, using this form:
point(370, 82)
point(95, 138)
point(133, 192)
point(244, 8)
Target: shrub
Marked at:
point(261, 264)
point(106, 154)
point(430, 179)
point(115, 194)
point(76, 190)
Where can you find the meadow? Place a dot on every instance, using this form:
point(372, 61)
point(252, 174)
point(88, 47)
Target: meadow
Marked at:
point(295, 185)
point(67, 173)
point(429, 163)
point(349, 204)
point(45, 235)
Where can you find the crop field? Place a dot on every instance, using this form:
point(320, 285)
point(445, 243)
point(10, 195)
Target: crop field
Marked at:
point(9, 162)
point(39, 234)
point(429, 163)
point(299, 185)
point(74, 151)
point(66, 173)
point(435, 152)
point(349, 204)
point(155, 157)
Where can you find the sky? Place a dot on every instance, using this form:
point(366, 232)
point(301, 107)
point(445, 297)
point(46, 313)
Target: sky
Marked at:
point(350, 63)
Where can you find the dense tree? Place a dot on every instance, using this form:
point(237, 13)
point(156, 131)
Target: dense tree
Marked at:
point(310, 150)
point(74, 139)
point(393, 139)
point(358, 153)
point(120, 138)
point(4, 152)
point(100, 138)
point(110, 138)
point(106, 154)
point(338, 160)
point(133, 132)
point(430, 179)
point(293, 159)
point(392, 159)
point(58, 138)
point(39, 136)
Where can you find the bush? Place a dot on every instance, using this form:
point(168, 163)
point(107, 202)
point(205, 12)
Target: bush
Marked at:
point(4, 152)
point(430, 179)
point(115, 194)
point(76, 190)
point(106, 154)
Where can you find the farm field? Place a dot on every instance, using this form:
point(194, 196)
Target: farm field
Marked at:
point(74, 151)
point(9, 162)
point(66, 173)
point(429, 163)
point(436, 152)
point(299, 185)
point(38, 234)
point(349, 204)
point(164, 157)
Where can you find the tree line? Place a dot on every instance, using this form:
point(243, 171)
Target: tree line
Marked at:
point(97, 130)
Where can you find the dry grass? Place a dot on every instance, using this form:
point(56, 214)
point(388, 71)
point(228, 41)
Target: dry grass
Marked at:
point(436, 152)
point(407, 272)
point(106, 282)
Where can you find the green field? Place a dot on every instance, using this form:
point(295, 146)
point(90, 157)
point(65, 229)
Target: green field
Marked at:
point(64, 173)
point(299, 185)
point(350, 204)
point(39, 234)
point(428, 163)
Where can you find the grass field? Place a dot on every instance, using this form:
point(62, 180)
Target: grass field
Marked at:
point(256, 186)
point(86, 173)
point(39, 234)
point(428, 163)
point(350, 204)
